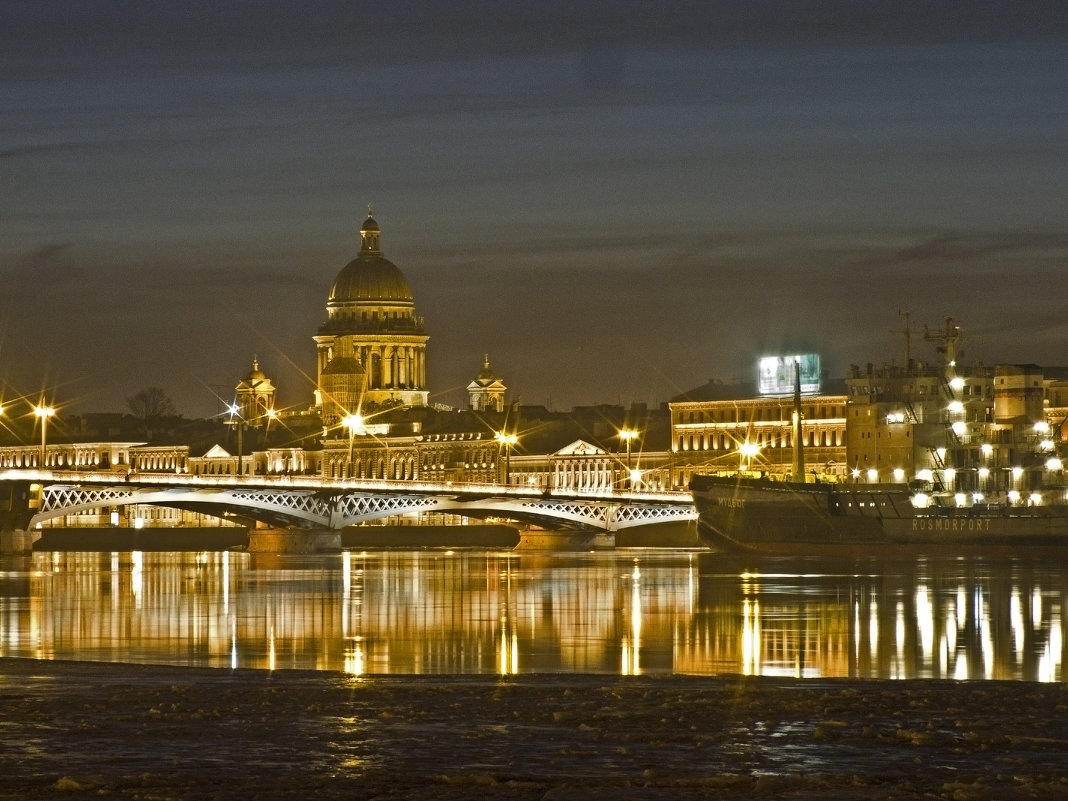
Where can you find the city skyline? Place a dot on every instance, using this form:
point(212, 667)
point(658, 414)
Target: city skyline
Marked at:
point(615, 206)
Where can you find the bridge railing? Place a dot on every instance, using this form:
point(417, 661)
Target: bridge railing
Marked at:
point(318, 483)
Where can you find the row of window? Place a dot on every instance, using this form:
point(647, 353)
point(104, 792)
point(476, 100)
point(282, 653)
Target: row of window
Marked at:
point(815, 438)
point(735, 414)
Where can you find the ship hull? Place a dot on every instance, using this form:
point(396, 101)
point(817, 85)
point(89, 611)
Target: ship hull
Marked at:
point(741, 514)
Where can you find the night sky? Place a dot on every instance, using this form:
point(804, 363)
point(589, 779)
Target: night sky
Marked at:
point(617, 201)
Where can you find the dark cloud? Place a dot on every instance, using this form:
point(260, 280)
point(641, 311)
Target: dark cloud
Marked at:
point(259, 33)
point(616, 201)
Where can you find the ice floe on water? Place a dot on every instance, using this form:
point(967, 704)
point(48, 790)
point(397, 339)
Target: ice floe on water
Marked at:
point(76, 730)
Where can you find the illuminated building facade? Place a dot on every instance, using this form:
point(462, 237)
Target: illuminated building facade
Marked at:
point(372, 348)
point(486, 392)
point(255, 396)
point(733, 430)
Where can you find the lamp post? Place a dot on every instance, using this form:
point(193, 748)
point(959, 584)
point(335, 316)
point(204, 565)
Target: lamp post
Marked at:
point(44, 412)
point(628, 435)
point(505, 442)
point(238, 422)
point(352, 423)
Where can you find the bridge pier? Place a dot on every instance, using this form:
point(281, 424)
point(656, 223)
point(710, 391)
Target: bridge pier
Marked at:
point(293, 540)
point(18, 541)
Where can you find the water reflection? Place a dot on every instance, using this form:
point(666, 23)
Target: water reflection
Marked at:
point(436, 612)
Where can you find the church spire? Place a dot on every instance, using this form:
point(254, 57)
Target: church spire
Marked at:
point(370, 232)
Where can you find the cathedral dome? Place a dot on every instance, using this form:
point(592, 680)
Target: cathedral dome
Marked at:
point(370, 277)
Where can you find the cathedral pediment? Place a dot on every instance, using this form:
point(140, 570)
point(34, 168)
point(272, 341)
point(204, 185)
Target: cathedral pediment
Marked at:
point(581, 448)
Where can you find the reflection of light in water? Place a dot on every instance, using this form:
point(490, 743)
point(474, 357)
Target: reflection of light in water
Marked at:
point(559, 613)
point(750, 638)
point(692, 594)
point(925, 623)
point(982, 617)
point(873, 627)
point(899, 635)
point(354, 658)
point(346, 591)
point(960, 668)
point(1049, 661)
point(136, 577)
point(632, 645)
point(856, 631)
point(950, 636)
point(1016, 622)
point(226, 581)
point(114, 581)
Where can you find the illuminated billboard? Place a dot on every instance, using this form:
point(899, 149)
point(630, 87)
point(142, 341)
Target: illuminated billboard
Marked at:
point(775, 374)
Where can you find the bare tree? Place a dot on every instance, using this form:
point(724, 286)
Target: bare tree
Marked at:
point(149, 404)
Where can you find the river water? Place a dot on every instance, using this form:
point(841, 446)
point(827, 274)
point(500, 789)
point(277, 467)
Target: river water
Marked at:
point(435, 612)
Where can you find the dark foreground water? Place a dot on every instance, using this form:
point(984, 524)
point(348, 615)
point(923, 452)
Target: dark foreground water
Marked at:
point(645, 612)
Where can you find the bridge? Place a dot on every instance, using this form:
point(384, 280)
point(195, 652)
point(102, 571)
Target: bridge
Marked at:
point(331, 504)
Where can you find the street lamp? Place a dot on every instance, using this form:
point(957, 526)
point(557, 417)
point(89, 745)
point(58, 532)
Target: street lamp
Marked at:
point(353, 423)
point(748, 450)
point(628, 435)
point(44, 412)
point(505, 442)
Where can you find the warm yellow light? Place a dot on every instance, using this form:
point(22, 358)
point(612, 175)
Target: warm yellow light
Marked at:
point(957, 383)
point(353, 422)
point(984, 472)
point(1054, 464)
point(873, 474)
point(956, 407)
point(628, 434)
point(899, 474)
point(506, 439)
point(749, 449)
point(44, 411)
point(1016, 473)
point(986, 448)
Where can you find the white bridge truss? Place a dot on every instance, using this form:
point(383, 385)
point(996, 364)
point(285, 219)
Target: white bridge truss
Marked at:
point(332, 507)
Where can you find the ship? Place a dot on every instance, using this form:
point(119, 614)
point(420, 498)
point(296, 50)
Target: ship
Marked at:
point(975, 459)
point(738, 513)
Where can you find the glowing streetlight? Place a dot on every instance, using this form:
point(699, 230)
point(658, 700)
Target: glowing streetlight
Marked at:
point(352, 424)
point(43, 412)
point(748, 450)
point(635, 478)
point(506, 442)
